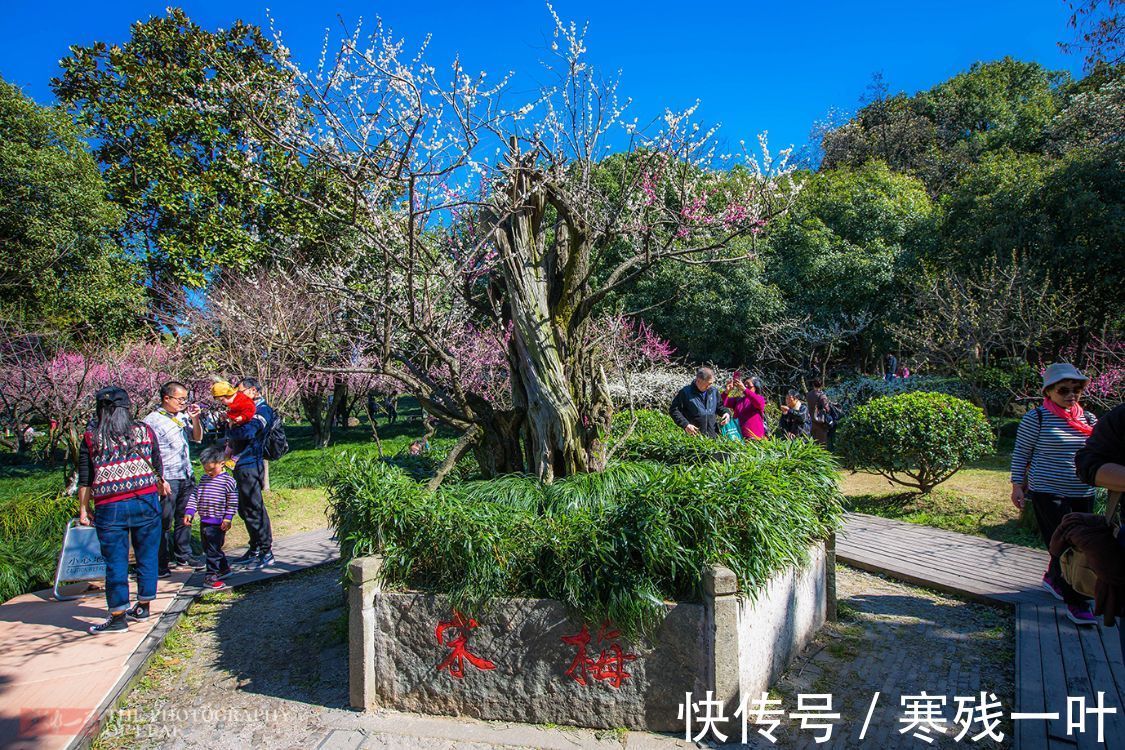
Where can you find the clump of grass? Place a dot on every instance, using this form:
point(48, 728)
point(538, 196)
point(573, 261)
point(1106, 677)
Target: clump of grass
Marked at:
point(31, 532)
point(615, 545)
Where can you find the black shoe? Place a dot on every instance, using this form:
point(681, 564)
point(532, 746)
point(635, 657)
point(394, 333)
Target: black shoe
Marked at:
point(138, 612)
point(164, 574)
point(112, 624)
point(264, 560)
point(195, 564)
point(250, 556)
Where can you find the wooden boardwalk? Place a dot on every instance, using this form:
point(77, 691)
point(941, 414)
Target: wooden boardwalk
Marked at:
point(1055, 659)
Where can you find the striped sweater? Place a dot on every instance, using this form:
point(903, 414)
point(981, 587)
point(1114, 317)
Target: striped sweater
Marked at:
point(1043, 458)
point(215, 499)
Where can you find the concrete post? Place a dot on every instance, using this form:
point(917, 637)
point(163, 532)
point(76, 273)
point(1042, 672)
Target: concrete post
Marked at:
point(720, 586)
point(363, 586)
point(830, 576)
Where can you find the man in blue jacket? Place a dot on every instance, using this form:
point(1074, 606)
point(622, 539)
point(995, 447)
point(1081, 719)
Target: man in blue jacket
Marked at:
point(247, 441)
point(697, 408)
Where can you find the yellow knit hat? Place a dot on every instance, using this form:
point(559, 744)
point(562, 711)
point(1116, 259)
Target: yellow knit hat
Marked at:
point(222, 388)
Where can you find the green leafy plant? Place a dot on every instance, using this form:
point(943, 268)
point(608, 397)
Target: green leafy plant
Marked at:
point(614, 545)
point(917, 439)
point(31, 532)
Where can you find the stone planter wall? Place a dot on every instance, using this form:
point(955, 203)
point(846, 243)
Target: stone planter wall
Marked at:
point(525, 660)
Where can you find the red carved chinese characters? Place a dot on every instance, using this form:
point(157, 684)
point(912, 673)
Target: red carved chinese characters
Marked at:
point(610, 664)
point(455, 662)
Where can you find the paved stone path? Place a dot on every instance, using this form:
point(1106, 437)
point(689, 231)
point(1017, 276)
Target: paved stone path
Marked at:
point(222, 686)
point(54, 680)
point(1055, 659)
point(895, 640)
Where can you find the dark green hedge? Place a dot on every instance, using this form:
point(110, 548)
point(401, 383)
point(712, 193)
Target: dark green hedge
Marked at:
point(612, 545)
point(31, 532)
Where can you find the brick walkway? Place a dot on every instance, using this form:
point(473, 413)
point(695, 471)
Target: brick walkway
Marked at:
point(55, 678)
point(1055, 659)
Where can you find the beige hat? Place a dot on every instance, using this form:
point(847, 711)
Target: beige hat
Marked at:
point(222, 388)
point(1061, 371)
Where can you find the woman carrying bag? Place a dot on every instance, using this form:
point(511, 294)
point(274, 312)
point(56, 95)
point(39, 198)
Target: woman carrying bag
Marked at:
point(745, 400)
point(119, 469)
point(1043, 471)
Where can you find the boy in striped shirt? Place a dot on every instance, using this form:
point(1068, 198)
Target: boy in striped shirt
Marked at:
point(215, 499)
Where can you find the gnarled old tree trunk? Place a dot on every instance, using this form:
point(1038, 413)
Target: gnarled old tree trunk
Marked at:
point(559, 392)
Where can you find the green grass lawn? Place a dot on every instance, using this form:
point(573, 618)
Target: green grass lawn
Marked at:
point(976, 500)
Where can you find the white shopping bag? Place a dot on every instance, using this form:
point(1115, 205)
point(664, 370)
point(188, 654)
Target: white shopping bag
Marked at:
point(80, 561)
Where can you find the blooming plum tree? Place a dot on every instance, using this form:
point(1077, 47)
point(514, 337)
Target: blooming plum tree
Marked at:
point(471, 209)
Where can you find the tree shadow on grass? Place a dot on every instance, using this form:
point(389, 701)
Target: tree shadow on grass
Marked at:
point(945, 511)
point(893, 505)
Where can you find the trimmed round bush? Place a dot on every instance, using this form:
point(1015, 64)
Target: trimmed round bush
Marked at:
point(918, 440)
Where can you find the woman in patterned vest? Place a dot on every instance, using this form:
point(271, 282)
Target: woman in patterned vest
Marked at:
point(119, 470)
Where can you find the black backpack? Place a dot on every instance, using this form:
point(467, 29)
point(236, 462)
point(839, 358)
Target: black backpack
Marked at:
point(832, 416)
point(276, 444)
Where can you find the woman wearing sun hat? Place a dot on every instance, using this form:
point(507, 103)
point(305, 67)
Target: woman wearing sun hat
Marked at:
point(1043, 470)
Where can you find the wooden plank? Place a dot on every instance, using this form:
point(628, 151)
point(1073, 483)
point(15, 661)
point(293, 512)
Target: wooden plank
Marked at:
point(1029, 735)
point(907, 569)
point(951, 544)
point(1077, 676)
point(1012, 579)
point(1100, 679)
point(1111, 642)
point(1054, 676)
point(962, 548)
point(956, 547)
point(929, 578)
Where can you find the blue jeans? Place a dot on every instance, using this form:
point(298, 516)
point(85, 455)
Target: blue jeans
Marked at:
point(137, 519)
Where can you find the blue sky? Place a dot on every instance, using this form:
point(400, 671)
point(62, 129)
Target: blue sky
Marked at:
point(754, 65)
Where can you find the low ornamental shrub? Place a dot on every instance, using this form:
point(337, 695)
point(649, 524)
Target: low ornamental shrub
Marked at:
point(615, 545)
point(917, 440)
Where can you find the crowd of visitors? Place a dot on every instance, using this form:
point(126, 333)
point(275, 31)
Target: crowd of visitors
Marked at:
point(699, 408)
point(1062, 453)
point(137, 488)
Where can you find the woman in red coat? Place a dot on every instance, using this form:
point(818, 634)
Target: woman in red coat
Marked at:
point(746, 401)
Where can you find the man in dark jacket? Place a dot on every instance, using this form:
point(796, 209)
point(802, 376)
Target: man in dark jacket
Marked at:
point(697, 408)
point(795, 421)
point(248, 441)
point(1101, 463)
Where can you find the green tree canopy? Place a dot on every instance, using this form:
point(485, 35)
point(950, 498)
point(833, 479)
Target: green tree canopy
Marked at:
point(839, 253)
point(180, 153)
point(58, 265)
point(936, 134)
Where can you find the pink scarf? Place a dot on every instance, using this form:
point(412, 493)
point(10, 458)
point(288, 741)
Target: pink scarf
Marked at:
point(1074, 416)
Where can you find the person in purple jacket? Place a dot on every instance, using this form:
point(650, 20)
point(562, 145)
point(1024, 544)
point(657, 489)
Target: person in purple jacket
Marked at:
point(215, 500)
